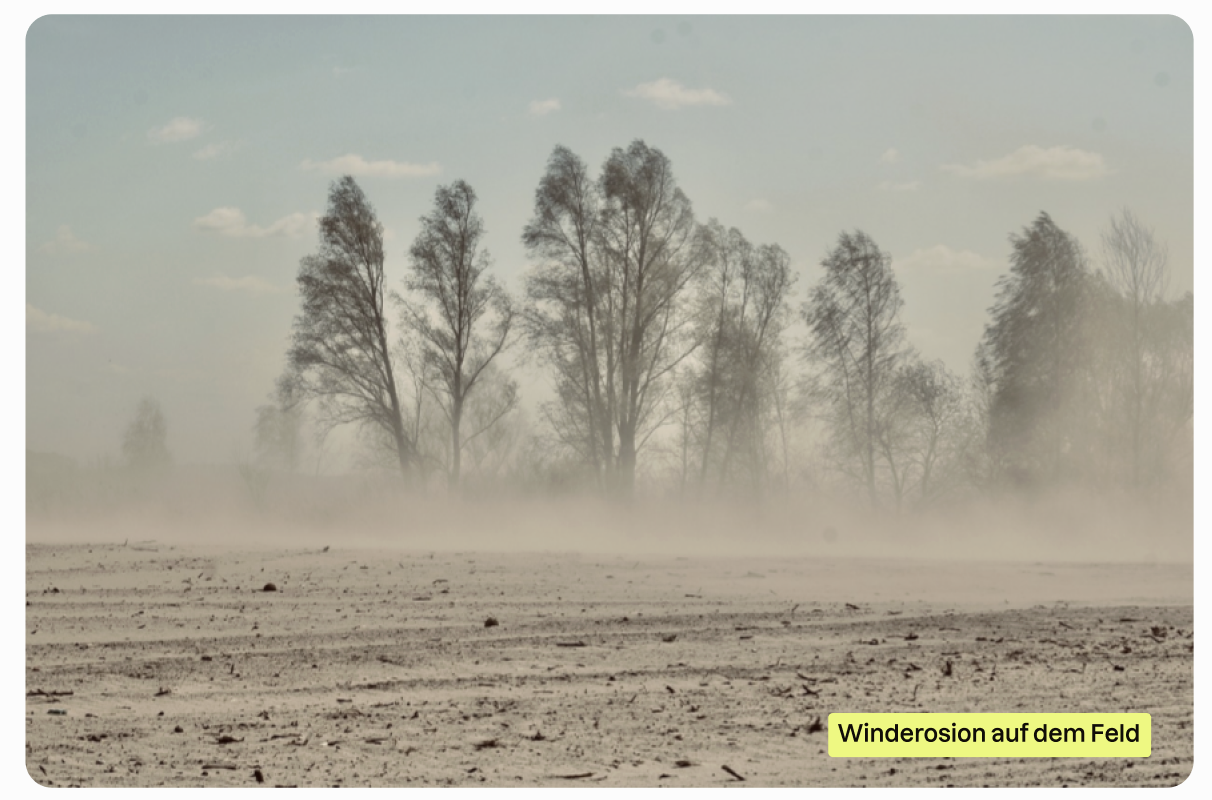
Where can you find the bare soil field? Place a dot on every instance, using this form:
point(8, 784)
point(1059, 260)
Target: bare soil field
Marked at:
point(157, 665)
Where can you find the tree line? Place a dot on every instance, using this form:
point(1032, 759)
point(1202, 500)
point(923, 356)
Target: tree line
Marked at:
point(667, 341)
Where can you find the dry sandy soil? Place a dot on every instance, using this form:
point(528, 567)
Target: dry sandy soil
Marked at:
point(171, 666)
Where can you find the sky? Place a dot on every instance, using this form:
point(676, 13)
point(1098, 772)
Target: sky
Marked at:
point(175, 167)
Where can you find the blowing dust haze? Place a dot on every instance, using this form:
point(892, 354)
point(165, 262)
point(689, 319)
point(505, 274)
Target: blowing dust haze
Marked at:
point(421, 399)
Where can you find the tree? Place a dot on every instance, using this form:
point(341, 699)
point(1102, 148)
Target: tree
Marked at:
point(566, 314)
point(339, 350)
point(1035, 347)
point(1173, 337)
point(493, 428)
point(740, 319)
point(857, 345)
point(145, 440)
point(463, 318)
point(1135, 265)
point(606, 303)
point(930, 440)
point(278, 431)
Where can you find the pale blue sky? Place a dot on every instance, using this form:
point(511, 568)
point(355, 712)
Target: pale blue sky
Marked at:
point(174, 165)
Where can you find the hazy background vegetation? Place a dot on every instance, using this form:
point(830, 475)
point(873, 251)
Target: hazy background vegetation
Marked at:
point(676, 381)
point(645, 372)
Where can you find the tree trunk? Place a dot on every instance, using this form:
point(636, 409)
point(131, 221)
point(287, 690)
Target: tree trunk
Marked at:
point(625, 474)
point(456, 446)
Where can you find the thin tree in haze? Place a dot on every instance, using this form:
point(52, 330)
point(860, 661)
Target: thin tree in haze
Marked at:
point(339, 350)
point(740, 318)
point(857, 346)
point(718, 299)
point(462, 317)
point(145, 439)
point(493, 428)
point(1134, 263)
point(567, 314)
point(1034, 348)
point(1173, 346)
point(931, 436)
point(607, 300)
point(278, 439)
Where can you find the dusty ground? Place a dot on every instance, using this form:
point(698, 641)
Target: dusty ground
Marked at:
point(376, 668)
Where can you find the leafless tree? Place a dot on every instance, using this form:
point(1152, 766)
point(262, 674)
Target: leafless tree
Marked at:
point(462, 318)
point(493, 427)
point(278, 439)
point(339, 350)
point(928, 442)
point(741, 315)
point(857, 346)
point(1135, 265)
point(567, 316)
point(606, 301)
point(145, 440)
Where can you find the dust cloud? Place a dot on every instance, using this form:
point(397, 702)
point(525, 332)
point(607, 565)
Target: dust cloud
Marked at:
point(212, 506)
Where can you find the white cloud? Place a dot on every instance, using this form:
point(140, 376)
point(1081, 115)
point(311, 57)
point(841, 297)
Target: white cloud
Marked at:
point(1052, 163)
point(893, 186)
point(249, 283)
point(178, 129)
point(672, 95)
point(890, 156)
point(760, 205)
point(354, 164)
point(64, 243)
point(213, 151)
point(40, 321)
point(941, 259)
point(232, 223)
point(541, 108)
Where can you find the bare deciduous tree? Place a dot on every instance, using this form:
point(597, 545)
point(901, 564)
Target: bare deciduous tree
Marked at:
point(931, 436)
point(278, 439)
point(607, 300)
point(145, 440)
point(463, 318)
point(567, 312)
point(741, 315)
point(493, 428)
point(339, 350)
point(857, 345)
point(1135, 265)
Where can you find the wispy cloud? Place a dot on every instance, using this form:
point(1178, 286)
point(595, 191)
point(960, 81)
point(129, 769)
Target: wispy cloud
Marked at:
point(40, 321)
point(671, 95)
point(759, 205)
point(941, 259)
point(232, 223)
point(355, 165)
point(1051, 163)
point(249, 284)
point(65, 243)
point(213, 151)
point(890, 156)
point(178, 129)
point(893, 186)
point(541, 108)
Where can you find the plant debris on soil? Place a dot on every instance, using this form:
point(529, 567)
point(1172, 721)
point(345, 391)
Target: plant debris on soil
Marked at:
point(614, 671)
